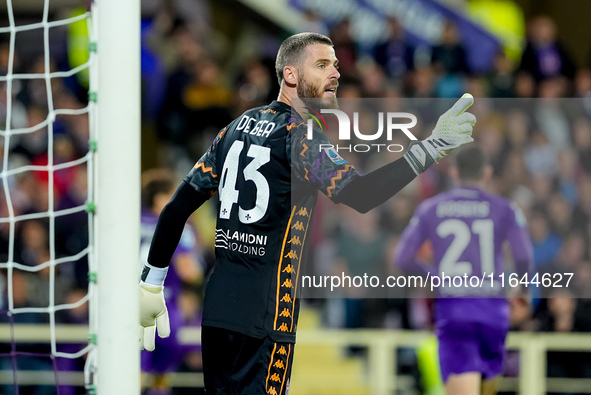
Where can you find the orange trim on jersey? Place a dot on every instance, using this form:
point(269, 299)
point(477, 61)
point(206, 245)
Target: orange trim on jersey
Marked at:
point(279, 268)
point(286, 366)
point(204, 169)
point(298, 273)
point(270, 364)
point(333, 180)
point(222, 132)
point(293, 124)
point(304, 150)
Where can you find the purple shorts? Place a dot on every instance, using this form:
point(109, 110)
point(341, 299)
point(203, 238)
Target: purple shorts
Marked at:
point(471, 347)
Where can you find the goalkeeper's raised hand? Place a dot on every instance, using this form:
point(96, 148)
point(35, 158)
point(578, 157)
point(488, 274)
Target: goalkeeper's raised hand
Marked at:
point(453, 129)
point(153, 311)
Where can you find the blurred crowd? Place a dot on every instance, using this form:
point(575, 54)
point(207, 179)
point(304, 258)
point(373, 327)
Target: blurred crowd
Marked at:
point(194, 83)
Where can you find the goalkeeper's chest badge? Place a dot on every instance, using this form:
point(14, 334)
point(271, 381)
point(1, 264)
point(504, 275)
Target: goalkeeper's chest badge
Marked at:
point(334, 156)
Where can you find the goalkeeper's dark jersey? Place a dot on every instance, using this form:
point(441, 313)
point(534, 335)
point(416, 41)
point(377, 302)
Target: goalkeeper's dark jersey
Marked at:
point(267, 175)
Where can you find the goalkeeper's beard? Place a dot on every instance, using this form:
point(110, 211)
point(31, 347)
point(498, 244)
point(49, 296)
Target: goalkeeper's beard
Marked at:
point(311, 96)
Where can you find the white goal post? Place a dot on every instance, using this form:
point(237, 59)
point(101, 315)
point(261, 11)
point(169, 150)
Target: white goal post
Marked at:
point(118, 195)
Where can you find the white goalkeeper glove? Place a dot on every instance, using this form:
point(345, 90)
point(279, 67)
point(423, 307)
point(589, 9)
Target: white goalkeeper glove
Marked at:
point(153, 311)
point(453, 129)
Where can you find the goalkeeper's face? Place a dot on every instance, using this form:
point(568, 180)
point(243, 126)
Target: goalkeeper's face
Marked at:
point(318, 76)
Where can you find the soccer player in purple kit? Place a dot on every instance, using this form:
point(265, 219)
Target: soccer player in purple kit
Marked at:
point(158, 185)
point(467, 228)
point(267, 175)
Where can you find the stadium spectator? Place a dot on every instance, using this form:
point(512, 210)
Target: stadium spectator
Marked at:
point(583, 83)
point(395, 55)
point(374, 82)
point(345, 48)
point(501, 80)
point(560, 214)
point(582, 142)
point(313, 23)
point(546, 243)
point(254, 86)
point(449, 57)
point(361, 248)
point(525, 85)
point(544, 56)
point(450, 63)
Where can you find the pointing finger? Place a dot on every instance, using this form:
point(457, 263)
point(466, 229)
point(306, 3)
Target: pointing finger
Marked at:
point(462, 105)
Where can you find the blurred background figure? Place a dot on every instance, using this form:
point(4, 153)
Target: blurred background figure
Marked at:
point(185, 278)
point(544, 56)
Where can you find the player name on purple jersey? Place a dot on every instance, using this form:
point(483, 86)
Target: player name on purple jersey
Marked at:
point(463, 208)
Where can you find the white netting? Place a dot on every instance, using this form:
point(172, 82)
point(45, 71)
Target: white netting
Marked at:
point(47, 201)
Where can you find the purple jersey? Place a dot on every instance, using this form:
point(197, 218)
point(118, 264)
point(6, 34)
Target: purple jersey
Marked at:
point(467, 228)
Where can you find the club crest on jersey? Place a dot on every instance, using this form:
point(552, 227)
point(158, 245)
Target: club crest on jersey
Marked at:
point(334, 156)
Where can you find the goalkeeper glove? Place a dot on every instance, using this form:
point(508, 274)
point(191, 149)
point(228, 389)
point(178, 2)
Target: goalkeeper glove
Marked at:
point(153, 311)
point(453, 129)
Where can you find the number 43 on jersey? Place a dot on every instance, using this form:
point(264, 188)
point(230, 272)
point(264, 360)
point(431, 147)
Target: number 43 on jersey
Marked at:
point(227, 189)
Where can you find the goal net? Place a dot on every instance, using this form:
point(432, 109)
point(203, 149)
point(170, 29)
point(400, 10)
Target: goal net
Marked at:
point(69, 198)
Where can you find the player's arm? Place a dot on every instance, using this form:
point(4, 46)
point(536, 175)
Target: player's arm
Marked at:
point(343, 184)
point(197, 187)
point(366, 192)
point(453, 129)
point(171, 224)
point(410, 241)
point(520, 242)
point(318, 163)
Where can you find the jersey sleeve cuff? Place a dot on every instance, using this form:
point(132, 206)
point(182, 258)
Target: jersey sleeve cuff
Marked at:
point(152, 275)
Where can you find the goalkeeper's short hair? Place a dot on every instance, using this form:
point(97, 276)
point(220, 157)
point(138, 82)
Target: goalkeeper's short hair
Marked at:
point(471, 162)
point(292, 49)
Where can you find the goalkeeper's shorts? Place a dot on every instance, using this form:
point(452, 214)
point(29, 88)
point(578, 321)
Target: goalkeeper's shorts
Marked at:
point(234, 363)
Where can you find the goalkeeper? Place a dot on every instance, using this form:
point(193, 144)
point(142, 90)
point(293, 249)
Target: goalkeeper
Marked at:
point(267, 175)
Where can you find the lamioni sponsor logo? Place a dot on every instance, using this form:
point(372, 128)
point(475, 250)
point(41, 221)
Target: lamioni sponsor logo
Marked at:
point(388, 122)
point(244, 243)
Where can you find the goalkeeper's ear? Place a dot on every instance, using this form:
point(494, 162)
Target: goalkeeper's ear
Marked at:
point(290, 75)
